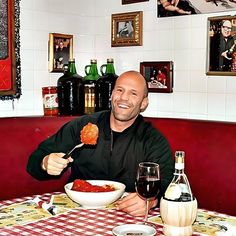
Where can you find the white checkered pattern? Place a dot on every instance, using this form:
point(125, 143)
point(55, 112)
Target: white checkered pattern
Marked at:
point(76, 222)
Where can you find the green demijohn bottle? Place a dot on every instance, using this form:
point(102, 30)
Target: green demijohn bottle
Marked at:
point(105, 85)
point(90, 81)
point(70, 91)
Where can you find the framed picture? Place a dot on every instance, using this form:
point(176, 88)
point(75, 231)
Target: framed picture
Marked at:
point(167, 8)
point(159, 75)
point(60, 51)
point(10, 66)
point(221, 45)
point(132, 1)
point(127, 29)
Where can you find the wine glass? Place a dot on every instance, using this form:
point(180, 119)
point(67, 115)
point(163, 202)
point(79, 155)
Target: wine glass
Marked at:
point(148, 183)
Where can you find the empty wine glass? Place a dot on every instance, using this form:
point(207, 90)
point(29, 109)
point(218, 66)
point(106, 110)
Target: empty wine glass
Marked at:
point(148, 183)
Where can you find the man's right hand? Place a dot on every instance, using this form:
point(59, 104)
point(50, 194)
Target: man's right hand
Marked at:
point(54, 164)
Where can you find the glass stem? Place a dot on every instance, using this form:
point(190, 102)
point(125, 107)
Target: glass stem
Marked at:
point(146, 213)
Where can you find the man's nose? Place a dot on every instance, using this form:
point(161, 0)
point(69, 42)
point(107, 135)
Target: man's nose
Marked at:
point(124, 96)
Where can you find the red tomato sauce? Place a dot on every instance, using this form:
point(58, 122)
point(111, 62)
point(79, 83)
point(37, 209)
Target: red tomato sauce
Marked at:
point(84, 186)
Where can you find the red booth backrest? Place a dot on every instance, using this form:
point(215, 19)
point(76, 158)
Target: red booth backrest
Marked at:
point(210, 162)
point(209, 146)
point(19, 137)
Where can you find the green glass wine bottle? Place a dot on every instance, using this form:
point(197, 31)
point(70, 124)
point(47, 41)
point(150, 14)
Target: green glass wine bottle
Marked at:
point(90, 81)
point(105, 85)
point(70, 91)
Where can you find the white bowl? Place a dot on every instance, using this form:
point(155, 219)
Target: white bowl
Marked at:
point(94, 200)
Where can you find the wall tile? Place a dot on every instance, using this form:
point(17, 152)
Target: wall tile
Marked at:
point(198, 104)
point(27, 80)
point(230, 105)
point(182, 59)
point(26, 20)
point(198, 81)
point(40, 20)
point(216, 104)
point(27, 40)
point(164, 101)
point(181, 102)
point(216, 84)
point(197, 59)
point(198, 38)
point(181, 81)
point(182, 40)
point(27, 59)
point(162, 42)
point(230, 84)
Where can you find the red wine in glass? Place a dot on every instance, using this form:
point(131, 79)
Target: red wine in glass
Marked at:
point(148, 187)
point(148, 183)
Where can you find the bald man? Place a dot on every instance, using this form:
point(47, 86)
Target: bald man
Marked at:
point(125, 140)
point(220, 44)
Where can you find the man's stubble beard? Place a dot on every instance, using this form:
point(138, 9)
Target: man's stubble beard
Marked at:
point(124, 117)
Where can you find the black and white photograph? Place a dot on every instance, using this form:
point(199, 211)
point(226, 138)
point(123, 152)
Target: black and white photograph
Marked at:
point(125, 29)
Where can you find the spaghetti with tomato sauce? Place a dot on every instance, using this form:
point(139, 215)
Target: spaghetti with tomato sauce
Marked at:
point(84, 186)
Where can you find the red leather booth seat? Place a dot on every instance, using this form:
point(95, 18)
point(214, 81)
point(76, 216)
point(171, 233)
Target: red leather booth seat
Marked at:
point(19, 137)
point(209, 146)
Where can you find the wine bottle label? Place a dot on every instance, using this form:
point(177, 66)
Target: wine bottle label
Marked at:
point(89, 96)
point(179, 166)
point(50, 101)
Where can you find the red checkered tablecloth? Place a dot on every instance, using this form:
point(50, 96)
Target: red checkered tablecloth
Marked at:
point(74, 222)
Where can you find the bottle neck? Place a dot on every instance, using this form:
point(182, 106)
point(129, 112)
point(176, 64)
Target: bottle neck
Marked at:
point(179, 165)
point(72, 68)
point(179, 162)
point(93, 73)
point(179, 171)
point(93, 69)
point(110, 68)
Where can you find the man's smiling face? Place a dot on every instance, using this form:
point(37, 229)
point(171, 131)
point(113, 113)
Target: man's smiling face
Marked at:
point(226, 28)
point(129, 96)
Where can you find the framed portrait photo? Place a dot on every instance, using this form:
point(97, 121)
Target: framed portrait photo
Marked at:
point(159, 75)
point(221, 46)
point(132, 1)
point(127, 29)
point(60, 51)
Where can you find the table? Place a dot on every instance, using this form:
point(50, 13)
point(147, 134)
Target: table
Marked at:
point(77, 221)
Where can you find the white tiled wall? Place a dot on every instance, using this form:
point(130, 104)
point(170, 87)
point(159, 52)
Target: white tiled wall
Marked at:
point(182, 40)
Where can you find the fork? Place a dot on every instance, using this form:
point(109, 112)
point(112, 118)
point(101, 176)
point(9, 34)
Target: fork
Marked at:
point(69, 153)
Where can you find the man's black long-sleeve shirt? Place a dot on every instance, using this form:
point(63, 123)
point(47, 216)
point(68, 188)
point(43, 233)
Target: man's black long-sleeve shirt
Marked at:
point(115, 156)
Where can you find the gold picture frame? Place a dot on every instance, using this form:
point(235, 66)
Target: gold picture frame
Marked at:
point(127, 29)
point(60, 51)
point(221, 58)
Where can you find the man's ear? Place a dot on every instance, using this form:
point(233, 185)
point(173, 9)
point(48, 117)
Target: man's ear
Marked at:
point(144, 104)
